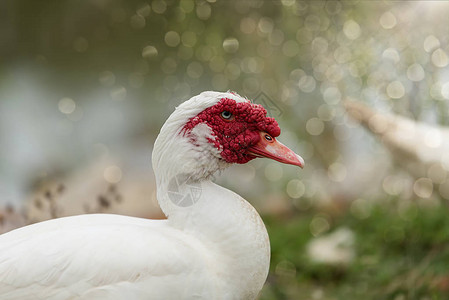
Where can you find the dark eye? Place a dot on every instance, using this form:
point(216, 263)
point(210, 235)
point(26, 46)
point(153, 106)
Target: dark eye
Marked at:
point(226, 115)
point(268, 137)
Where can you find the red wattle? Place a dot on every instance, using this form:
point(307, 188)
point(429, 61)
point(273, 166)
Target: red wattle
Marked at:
point(234, 137)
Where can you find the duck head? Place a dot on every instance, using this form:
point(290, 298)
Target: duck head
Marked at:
point(239, 131)
point(213, 130)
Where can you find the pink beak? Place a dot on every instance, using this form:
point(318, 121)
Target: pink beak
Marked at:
point(270, 148)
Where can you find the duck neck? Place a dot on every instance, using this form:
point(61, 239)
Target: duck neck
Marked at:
point(228, 226)
point(218, 217)
point(182, 164)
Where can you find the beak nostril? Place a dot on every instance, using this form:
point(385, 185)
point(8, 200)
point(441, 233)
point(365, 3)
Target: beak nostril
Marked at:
point(269, 147)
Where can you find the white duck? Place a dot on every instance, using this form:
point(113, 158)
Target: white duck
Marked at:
point(213, 244)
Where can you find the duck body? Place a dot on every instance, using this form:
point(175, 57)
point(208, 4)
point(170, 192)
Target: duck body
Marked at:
point(144, 259)
point(213, 244)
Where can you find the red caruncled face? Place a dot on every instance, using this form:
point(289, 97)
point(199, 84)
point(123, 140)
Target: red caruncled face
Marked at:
point(236, 127)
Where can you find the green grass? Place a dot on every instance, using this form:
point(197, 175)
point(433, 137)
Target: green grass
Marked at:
point(401, 254)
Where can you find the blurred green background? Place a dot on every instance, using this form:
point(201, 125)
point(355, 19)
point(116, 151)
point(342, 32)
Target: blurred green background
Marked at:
point(81, 79)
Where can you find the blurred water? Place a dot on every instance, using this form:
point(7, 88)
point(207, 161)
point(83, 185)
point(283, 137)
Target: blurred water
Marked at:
point(40, 141)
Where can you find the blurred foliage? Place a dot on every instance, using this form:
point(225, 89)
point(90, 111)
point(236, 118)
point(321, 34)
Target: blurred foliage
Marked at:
point(297, 52)
point(402, 253)
point(307, 57)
